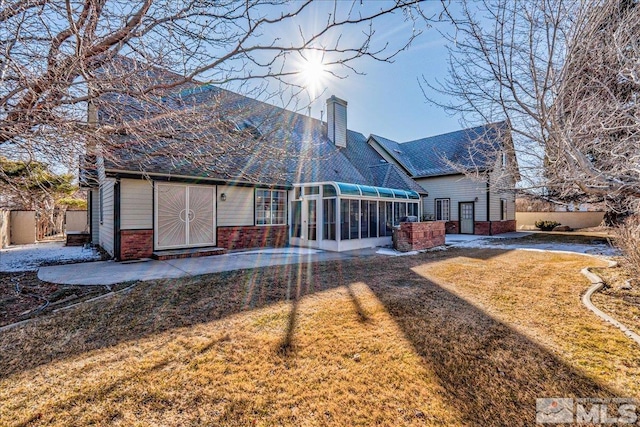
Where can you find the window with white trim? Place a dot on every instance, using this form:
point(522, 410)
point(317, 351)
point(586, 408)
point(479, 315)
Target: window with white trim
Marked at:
point(442, 209)
point(270, 207)
point(503, 209)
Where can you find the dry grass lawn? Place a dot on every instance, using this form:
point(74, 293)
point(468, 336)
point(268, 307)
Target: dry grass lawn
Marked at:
point(462, 337)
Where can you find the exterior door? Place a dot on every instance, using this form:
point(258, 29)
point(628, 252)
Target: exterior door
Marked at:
point(467, 215)
point(185, 216)
point(304, 221)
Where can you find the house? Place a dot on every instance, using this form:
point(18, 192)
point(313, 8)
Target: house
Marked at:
point(468, 174)
point(288, 179)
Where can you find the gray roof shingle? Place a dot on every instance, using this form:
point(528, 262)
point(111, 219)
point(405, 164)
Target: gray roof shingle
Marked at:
point(278, 147)
point(448, 153)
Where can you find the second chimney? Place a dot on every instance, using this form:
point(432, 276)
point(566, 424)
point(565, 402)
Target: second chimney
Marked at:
point(337, 121)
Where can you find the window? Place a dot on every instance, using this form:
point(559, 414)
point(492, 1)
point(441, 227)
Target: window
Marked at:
point(101, 205)
point(412, 209)
point(329, 219)
point(344, 219)
point(373, 219)
point(296, 218)
point(270, 207)
point(442, 209)
point(354, 219)
point(503, 160)
point(503, 209)
point(364, 219)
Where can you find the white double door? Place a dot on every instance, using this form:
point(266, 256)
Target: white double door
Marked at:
point(185, 216)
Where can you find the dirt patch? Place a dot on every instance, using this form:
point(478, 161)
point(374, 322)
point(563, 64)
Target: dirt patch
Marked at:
point(24, 296)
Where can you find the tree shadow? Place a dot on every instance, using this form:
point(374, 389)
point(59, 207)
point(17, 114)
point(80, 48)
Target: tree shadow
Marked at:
point(489, 372)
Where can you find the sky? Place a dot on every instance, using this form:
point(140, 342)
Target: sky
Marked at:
point(387, 99)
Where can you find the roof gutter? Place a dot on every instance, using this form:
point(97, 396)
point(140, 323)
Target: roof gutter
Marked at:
point(120, 173)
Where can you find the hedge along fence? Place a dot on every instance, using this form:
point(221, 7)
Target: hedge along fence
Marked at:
point(527, 220)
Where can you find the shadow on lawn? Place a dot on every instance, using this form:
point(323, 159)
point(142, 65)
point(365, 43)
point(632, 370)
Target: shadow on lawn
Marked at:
point(491, 374)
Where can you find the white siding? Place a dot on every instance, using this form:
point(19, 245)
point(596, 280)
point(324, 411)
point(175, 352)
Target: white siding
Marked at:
point(237, 209)
point(107, 225)
point(457, 188)
point(136, 204)
point(500, 179)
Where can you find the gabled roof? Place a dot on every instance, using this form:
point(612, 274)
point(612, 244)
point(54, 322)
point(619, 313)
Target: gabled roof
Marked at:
point(273, 146)
point(449, 153)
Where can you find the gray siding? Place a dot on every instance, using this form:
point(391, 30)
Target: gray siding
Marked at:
point(107, 223)
point(136, 204)
point(95, 216)
point(457, 188)
point(237, 209)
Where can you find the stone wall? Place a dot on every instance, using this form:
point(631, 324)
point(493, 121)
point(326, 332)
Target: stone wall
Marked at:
point(416, 236)
point(246, 237)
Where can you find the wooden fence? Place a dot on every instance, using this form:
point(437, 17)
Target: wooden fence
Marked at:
point(25, 227)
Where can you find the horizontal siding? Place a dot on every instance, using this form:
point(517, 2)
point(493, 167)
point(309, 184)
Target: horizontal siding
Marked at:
point(107, 225)
point(457, 188)
point(237, 209)
point(136, 206)
point(95, 216)
point(501, 179)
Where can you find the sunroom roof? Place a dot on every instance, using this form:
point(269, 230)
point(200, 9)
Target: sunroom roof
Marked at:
point(345, 189)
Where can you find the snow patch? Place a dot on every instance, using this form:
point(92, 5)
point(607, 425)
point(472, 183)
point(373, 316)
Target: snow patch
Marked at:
point(489, 243)
point(31, 257)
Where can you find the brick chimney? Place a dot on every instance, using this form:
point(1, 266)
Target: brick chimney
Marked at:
point(337, 121)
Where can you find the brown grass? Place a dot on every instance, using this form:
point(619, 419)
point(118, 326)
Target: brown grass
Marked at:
point(456, 338)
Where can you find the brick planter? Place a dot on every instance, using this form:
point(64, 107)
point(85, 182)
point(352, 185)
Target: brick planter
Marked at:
point(416, 236)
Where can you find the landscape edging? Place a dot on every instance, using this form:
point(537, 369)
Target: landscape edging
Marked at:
point(597, 284)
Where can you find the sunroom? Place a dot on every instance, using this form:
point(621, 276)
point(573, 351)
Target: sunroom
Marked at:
point(338, 216)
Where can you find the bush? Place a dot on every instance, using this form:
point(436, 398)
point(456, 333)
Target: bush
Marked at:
point(546, 225)
point(628, 241)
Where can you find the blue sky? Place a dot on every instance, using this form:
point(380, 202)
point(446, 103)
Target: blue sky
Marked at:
point(387, 100)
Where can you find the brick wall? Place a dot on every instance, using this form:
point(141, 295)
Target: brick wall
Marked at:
point(452, 227)
point(136, 244)
point(252, 237)
point(499, 227)
point(482, 228)
point(416, 236)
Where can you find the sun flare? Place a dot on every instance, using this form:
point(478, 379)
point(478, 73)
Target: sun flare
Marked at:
point(313, 72)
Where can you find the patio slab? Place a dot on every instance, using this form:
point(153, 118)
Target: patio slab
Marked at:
point(111, 272)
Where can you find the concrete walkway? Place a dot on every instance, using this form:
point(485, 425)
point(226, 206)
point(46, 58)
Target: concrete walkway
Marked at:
point(111, 272)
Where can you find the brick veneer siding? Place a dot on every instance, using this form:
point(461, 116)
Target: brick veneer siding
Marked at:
point(482, 228)
point(499, 227)
point(416, 236)
point(452, 227)
point(253, 237)
point(136, 244)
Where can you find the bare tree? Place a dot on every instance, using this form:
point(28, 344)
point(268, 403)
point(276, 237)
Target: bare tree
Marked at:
point(59, 58)
point(565, 74)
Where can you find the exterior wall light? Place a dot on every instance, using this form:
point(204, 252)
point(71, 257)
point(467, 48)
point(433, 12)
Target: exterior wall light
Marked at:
point(223, 197)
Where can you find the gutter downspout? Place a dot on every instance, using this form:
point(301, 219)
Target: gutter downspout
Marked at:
point(116, 221)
